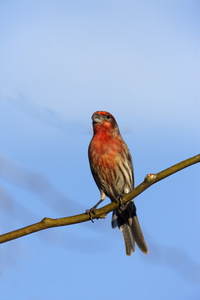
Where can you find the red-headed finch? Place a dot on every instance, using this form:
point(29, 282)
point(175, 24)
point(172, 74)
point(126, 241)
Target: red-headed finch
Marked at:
point(112, 168)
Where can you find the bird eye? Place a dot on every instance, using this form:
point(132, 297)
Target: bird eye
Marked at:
point(107, 116)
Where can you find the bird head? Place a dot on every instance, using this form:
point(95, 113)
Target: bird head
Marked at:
point(103, 120)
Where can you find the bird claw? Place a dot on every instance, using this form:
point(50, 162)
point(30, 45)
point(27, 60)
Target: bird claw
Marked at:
point(90, 212)
point(120, 202)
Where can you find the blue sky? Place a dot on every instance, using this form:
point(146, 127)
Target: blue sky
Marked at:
point(60, 61)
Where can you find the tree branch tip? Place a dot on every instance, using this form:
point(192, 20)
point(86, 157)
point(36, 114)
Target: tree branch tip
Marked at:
point(149, 177)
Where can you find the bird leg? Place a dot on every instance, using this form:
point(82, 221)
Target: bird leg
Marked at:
point(120, 201)
point(92, 210)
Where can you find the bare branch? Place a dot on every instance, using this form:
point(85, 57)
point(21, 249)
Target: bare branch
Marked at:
point(102, 212)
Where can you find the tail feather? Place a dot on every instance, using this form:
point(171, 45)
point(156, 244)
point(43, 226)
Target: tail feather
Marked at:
point(138, 235)
point(126, 219)
point(128, 239)
point(114, 222)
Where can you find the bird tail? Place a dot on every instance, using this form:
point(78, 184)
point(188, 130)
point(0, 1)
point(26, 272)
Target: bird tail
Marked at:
point(126, 219)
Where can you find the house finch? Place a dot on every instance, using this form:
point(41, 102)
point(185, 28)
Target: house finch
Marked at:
point(112, 168)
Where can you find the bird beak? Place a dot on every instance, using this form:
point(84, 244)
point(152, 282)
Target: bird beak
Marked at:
point(96, 118)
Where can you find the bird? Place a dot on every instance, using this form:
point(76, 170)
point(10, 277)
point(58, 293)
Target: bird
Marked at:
point(112, 169)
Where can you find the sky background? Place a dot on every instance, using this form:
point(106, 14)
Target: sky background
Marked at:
point(59, 62)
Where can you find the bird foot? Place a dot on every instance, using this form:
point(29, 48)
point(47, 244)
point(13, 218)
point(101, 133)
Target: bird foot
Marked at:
point(91, 212)
point(120, 203)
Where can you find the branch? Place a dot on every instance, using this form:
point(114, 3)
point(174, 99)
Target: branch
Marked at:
point(101, 212)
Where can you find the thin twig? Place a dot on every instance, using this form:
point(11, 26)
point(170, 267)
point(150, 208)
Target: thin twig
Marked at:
point(102, 212)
